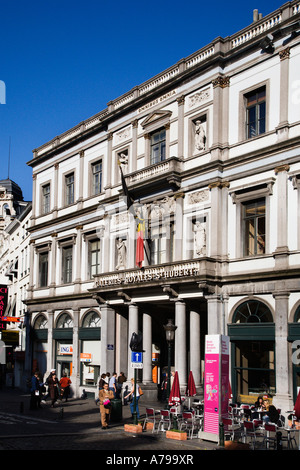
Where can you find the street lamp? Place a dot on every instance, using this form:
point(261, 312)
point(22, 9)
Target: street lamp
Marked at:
point(170, 336)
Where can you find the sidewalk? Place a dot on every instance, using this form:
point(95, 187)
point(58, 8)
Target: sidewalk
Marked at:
point(77, 423)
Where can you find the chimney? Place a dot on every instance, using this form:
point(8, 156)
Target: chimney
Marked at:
point(255, 16)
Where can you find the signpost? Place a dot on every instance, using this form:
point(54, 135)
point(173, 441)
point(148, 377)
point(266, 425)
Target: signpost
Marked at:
point(137, 363)
point(216, 384)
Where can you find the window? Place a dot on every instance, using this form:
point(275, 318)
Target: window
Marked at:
point(254, 227)
point(161, 244)
point(70, 189)
point(92, 320)
point(65, 321)
point(256, 112)
point(67, 253)
point(46, 199)
point(43, 269)
point(158, 147)
point(94, 257)
point(97, 177)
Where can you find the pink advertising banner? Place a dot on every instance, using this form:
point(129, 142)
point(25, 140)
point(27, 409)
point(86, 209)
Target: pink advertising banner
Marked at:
point(216, 381)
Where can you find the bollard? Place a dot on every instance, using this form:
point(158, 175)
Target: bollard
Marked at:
point(61, 412)
point(21, 407)
point(279, 440)
point(221, 435)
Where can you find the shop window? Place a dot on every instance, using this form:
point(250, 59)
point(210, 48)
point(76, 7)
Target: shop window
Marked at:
point(41, 323)
point(92, 320)
point(65, 321)
point(252, 311)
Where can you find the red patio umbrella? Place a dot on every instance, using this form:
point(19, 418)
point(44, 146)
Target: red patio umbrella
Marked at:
point(175, 397)
point(191, 388)
point(297, 407)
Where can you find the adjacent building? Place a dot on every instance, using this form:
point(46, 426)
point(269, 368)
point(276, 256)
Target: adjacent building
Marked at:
point(208, 154)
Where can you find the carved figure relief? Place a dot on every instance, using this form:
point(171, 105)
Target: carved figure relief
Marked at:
point(121, 254)
point(199, 238)
point(200, 137)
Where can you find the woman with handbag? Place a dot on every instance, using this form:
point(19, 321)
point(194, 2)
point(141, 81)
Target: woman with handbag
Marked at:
point(138, 394)
point(105, 396)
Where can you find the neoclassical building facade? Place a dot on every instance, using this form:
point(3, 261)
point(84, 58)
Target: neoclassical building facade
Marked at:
point(207, 153)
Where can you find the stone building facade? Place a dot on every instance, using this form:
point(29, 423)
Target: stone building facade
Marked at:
point(209, 151)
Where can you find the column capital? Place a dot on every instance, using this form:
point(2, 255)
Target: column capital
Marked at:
point(221, 82)
point(281, 168)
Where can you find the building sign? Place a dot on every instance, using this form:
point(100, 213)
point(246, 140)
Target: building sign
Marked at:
point(65, 349)
point(149, 274)
point(216, 383)
point(10, 337)
point(85, 357)
point(3, 304)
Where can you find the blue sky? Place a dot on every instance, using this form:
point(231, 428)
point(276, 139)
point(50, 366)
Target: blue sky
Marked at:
point(63, 61)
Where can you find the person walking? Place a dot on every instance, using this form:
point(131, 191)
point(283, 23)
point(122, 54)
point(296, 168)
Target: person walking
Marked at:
point(65, 383)
point(120, 381)
point(35, 392)
point(135, 398)
point(53, 385)
point(102, 381)
point(105, 396)
point(113, 384)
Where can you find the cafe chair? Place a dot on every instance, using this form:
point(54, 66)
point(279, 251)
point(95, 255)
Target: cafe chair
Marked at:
point(270, 438)
point(232, 429)
point(165, 421)
point(151, 417)
point(190, 423)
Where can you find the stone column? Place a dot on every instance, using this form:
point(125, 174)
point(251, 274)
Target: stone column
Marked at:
point(283, 126)
point(107, 339)
point(214, 315)
point(108, 173)
point(195, 365)
point(121, 343)
point(76, 362)
point(50, 345)
point(178, 241)
point(133, 159)
point(283, 398)
point(133, 325)
point(281, 252)
point(219, 203)
point(78, 265)
point(180, 130)
point(147, 347)
point(220, 117)
point(55, 191)
point(180, 342)
point(81, 178)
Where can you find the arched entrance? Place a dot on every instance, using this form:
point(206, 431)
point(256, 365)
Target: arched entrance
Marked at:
point(252, 336)
point(294, 339)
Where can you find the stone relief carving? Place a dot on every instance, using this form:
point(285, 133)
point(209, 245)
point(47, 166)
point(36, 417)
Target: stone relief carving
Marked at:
point(199, 98)
point(199, 238)
point(199, 196)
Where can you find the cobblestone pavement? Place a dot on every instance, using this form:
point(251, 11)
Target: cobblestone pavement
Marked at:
point(76, 426)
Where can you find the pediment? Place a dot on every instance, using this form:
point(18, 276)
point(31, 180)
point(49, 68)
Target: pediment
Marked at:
point(157, 117)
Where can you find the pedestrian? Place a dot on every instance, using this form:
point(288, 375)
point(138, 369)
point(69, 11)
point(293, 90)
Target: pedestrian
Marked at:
point(102, 381)
point(35, 392)
point(113, 384)
point(65, 383)
point(164, 387)
point(107, 378)
point(105, 396)
point(135, 398)
point(120, 381)
point(53, 386)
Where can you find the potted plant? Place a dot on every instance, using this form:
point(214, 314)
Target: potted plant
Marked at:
point(176, 434)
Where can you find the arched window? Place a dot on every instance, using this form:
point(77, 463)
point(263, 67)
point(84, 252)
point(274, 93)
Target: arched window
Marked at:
point(92, 320)
point(297, 315)
point(41, 323)
point(65, 321)
point(252, 311)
